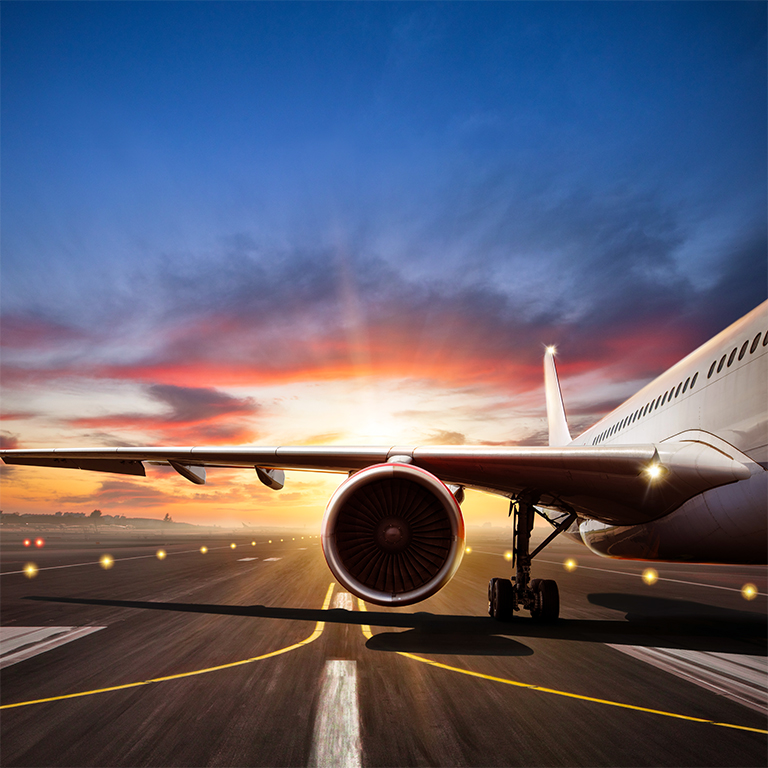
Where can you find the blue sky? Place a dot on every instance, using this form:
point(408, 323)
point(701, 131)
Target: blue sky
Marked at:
point(213, 210)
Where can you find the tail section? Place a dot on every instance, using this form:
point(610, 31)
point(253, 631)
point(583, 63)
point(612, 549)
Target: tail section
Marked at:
point(558, 425)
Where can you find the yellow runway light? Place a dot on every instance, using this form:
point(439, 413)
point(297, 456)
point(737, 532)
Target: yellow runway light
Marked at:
point(467, 549)
point(749, 591)
point(232, 545)
point(107, 561)
point(571, 564)
point(161, 554)
point(30, 570)
point(253, 543)
point(650, 576)
point(203, 549)
point(508, 555)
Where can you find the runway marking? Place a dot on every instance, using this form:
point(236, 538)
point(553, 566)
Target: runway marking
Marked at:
point(318, 630)
point(743, 679)
point(343, 600)
point(272, 559)
point(368, 634)
point(21, 643)
point(247, 559)
point(633, 574)
point(336, 738)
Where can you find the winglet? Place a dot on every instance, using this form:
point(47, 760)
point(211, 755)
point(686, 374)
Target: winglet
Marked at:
point(558, 425)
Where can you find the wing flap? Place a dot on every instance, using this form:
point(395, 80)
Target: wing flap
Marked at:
point(113, 465)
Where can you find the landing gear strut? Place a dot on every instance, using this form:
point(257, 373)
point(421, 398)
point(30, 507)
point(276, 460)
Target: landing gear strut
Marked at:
point(540, 596)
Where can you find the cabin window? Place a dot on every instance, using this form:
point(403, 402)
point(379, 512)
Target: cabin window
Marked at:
point(677, 391)
point(765, 339)
point(732, 356)
point(664, 399)
point(687, 382)
point(693, 380)
point(721, 363)
point(755, 342)
point(711, 369)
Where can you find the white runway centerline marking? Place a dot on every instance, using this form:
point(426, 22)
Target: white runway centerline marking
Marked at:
point(21, 643)
point(247, 559)
point(343, 600)
point(336, 739)
point(272, 559)
point(743, 679)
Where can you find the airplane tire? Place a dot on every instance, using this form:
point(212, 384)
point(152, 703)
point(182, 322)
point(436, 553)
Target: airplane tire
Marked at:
point(546, 600)
point(501, 596)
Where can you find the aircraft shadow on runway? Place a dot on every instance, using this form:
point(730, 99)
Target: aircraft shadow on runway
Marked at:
point(649, 621)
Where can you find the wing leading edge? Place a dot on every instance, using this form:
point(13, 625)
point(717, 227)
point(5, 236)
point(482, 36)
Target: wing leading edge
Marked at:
point(620, 485)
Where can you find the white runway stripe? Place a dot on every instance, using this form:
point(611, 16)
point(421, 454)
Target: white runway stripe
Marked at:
point(20, 643)
point(336, 740)
point(743, 679)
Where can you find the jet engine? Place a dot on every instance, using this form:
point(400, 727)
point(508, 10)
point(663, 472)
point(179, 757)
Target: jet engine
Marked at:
point(393, 534)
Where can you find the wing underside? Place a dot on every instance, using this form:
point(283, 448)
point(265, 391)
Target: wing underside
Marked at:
point(619, 485)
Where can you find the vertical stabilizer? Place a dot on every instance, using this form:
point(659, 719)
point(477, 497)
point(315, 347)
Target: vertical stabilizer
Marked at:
point(558, 426)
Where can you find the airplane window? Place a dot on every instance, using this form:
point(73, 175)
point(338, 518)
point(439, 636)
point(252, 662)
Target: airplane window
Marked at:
point(721, 363)
point(687, 382)
point(765, 339)
point(731, 356)
point(693, 380)
point(711, 369)
point(755, 342)
point(664, 399)
point(743, 350)
point(677, 391)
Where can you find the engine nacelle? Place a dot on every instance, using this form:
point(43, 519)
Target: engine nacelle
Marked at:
point(393, 534)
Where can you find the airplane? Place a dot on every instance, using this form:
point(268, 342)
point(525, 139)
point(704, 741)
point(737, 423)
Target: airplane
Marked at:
point(678, 472)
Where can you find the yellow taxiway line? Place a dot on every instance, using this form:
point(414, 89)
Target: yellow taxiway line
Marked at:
point(318, 630)
point(368, 634)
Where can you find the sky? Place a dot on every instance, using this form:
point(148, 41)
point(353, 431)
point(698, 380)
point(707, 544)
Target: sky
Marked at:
point(359, 223)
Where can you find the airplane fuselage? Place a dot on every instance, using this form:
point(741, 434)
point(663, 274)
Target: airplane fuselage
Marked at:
point(717, 395)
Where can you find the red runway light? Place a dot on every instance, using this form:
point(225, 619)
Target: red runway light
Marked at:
point(27, 542)
point(39, 542)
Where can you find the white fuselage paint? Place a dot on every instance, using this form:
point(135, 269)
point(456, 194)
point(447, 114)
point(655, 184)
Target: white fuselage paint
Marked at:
point(726, 408)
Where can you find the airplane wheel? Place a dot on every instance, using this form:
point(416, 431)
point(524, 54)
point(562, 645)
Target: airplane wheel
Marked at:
point(546, 600)
point(501, 599)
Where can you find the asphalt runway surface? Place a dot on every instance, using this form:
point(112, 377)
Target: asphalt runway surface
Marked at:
point(250, 657)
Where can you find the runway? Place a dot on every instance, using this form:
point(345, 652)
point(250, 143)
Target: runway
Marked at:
point(251, 656)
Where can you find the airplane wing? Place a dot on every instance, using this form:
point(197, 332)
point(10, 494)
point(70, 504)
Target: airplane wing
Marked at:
point(620, 485)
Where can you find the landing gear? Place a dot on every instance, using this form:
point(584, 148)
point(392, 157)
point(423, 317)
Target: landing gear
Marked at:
point(501, 599)
point(540, 596)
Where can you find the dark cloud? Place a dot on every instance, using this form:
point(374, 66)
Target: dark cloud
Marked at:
point(196, 404)
point(191, 415)
point(8, 441)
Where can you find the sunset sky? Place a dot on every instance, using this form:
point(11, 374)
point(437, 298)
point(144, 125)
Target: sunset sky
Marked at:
point(359, 223)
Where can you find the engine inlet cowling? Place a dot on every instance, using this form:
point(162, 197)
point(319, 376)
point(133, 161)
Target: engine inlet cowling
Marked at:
point(393, 534)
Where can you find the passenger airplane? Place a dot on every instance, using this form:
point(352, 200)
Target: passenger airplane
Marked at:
point(677, 472)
